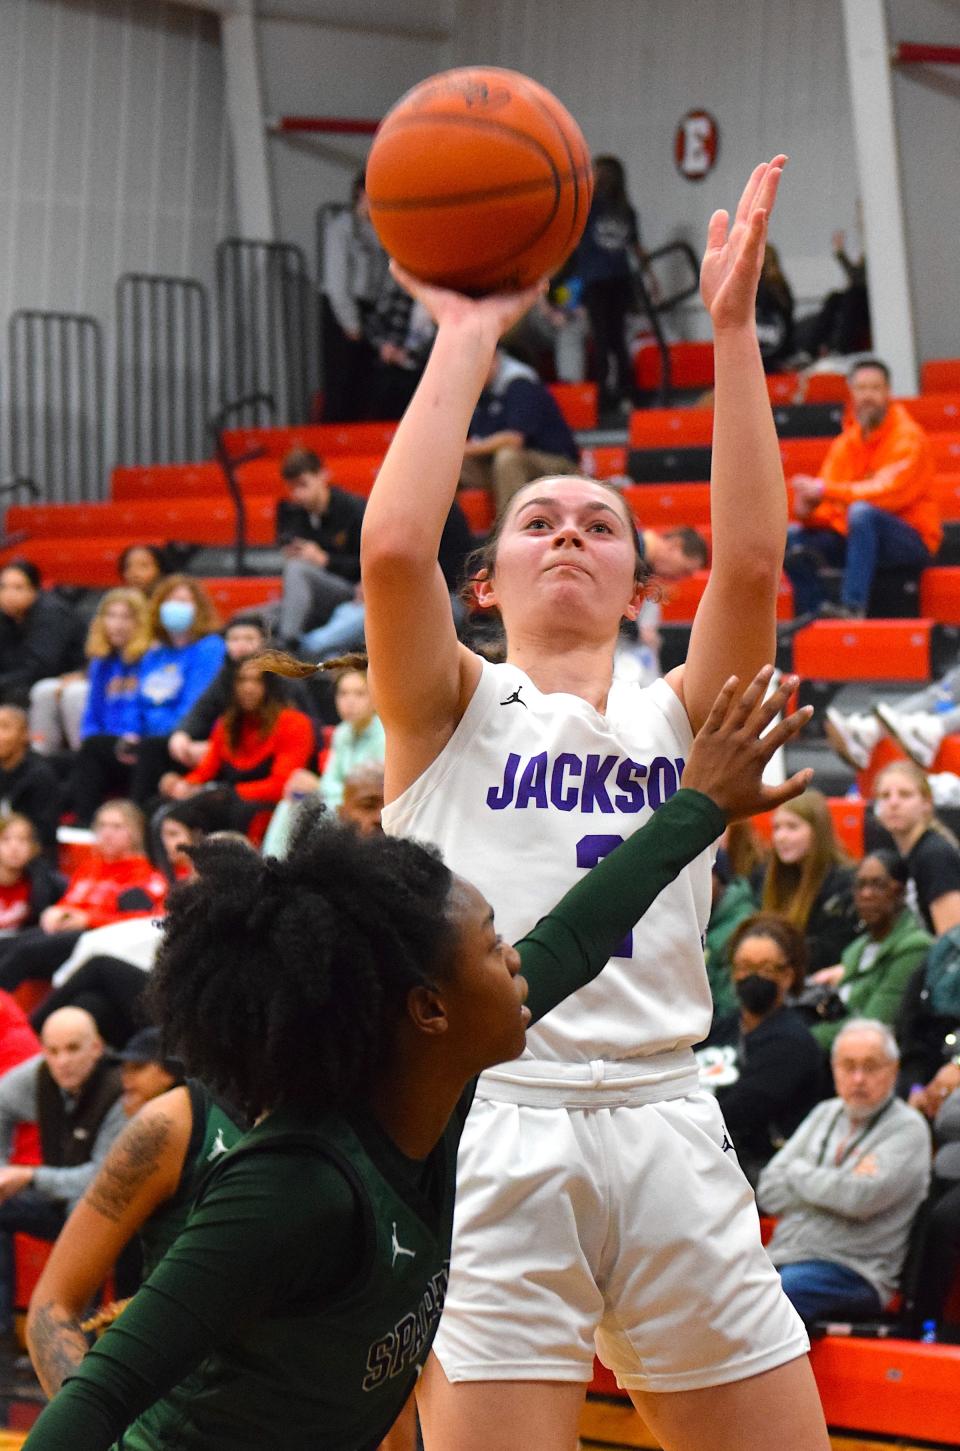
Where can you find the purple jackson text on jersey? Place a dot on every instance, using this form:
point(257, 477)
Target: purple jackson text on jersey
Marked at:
point(608, 785)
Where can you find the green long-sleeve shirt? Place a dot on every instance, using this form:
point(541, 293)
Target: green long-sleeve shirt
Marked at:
point(301, 1298)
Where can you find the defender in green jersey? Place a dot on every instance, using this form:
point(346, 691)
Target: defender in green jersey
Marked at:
point(348, 996)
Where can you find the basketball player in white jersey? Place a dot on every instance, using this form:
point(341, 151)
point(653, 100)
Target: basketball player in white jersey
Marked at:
point(598, 1199)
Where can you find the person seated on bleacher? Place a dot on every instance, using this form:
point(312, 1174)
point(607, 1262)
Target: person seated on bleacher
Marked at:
point(928, 1026)
point(143, 1191)
point(871, 507)
point(842, 323)
point(72, 1092)
point(27, 782)
point(90, 714)
point(809, 879)
point(517, 433)
point(732, 902)
point(939, 1263)
point(847, 1186)
point(142, 567)
point(344, 632)
point(903, 805)
point(760, 1060)
point(400, 333)
point(174, 673)
point(39, 635)
point(875, 968)
point(245, 635)
point(255, 747)
point(361, 808)
point(115, 881)
point(318, 528)
point(28, 884)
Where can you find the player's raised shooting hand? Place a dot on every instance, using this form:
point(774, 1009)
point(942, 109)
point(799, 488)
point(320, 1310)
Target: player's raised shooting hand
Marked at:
point(495, 314)
point(730, 751)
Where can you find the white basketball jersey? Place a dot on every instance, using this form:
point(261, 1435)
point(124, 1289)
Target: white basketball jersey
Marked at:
point(532, 789)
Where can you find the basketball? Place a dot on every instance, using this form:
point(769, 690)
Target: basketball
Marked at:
point(479, 180)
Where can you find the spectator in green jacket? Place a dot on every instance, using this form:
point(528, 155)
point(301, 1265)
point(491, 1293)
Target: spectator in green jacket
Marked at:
point(874, 970)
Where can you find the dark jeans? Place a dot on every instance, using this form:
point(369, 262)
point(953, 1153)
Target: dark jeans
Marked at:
point(607, 304)
point(875, 540)
point(34, 954)
point(940, 1260)
point(29, 1213)
point(820, 1290)
point(110, 989)
point(97, 776)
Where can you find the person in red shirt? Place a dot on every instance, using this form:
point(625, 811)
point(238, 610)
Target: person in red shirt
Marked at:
point(255, 746)
point(871, 507)
point(27, 882)
point(116, 881)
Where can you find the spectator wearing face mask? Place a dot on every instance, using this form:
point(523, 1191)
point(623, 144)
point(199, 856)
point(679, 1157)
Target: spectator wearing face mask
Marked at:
point(173, 674)
point(761, 1060)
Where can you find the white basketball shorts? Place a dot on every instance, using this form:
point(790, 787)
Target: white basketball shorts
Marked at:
point(616, 1224)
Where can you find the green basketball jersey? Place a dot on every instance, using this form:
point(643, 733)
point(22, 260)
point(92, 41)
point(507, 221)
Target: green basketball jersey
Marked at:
point(331, 1376)
point(213, 1132)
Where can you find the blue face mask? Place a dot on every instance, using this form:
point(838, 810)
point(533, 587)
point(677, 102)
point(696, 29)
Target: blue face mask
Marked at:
point(177, 615)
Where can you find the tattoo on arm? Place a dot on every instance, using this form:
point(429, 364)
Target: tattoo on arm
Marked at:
point(57, 1344)
point(134, 1157)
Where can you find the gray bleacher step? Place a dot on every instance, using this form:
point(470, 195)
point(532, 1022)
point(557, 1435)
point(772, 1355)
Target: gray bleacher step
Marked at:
point(217, 561)
point(831, 775)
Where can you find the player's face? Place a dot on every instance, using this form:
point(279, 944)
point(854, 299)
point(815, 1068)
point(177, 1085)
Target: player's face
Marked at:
point(566, 559)
point(484, 995)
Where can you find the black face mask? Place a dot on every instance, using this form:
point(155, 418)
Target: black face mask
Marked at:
point(757, 994)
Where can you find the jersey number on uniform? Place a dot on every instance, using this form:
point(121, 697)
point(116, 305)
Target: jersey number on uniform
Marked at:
point(593, 849)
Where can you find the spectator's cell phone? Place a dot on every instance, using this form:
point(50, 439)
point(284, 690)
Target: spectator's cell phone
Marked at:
point(285, 538)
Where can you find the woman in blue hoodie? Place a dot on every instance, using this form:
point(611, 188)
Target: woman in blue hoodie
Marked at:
point(119, 638)
point(177, 669)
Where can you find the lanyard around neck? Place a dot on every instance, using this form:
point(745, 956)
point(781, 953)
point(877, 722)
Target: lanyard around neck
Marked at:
point(857, 1140)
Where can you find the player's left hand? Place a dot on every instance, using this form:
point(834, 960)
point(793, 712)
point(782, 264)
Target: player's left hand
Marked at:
point(730, 751)
point(494, 314)
point(731, 264)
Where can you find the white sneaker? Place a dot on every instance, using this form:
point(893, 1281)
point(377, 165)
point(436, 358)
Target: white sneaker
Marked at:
point(919, 734)
point(945, 788)
point(853, 736)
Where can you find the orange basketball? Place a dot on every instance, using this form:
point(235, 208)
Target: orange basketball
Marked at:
point(479, 180)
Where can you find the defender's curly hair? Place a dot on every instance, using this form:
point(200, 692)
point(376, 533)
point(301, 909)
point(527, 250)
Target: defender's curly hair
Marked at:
point(281, 982)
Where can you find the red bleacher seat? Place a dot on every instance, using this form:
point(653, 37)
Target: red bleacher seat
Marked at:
point(691, 366)
point(947, 487)
point(783, 387)
point(247, 592)
point(671, 427)
point(167, 481)
point(326, 439)
point(577, 402)
point(940, 375)
point(477, 505)
point(825, 388)
point(198, 520)
point(897, 1388)
point(657, 506)
point(864, 650)
point(946, 451)
point(939, 412)
point(803, 455)
point(91, 563)
point(940, 594)
point(681, 598)
point(604, 462)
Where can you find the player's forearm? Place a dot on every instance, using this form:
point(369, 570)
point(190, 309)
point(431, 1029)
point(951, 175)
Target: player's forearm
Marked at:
point(55, 1341)
point(748, 496)
point(417, 482)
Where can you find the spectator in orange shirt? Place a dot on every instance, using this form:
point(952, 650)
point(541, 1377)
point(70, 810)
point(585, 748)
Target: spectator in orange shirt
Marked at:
point(871, 507)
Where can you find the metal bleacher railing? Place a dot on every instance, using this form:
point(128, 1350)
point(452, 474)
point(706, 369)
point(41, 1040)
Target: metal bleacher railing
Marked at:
point(680, 258)
point(268, 326)
point(57, 395)
point(163, 368)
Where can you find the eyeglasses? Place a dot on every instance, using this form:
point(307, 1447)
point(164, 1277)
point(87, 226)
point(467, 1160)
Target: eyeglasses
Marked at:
point(869, 1065)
